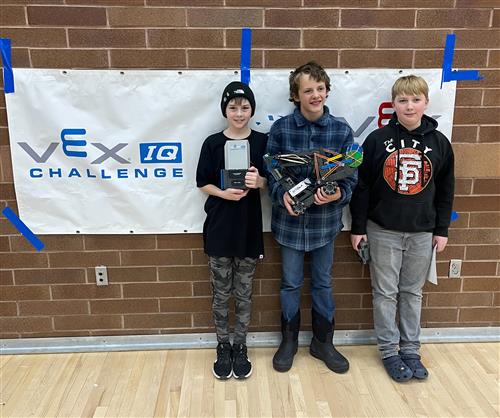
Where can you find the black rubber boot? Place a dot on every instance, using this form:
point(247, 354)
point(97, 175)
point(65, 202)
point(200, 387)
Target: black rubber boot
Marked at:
point(283, 359)
point(322, 344)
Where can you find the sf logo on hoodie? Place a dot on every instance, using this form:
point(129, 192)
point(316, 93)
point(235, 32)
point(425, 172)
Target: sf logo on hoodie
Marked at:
point(412, 173)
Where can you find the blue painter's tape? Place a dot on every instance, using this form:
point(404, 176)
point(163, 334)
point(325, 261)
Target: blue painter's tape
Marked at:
point(8, 75)
point(447, 73)
point(246, 54)
point(454, 216)
point(23, 229)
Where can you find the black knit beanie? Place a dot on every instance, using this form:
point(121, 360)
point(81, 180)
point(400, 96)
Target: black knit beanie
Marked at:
point(237, 89)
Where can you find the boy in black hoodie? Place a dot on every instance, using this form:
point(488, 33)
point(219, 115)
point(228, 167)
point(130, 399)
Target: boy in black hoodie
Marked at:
point(402, 207)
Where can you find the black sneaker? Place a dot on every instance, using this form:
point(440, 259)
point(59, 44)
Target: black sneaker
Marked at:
point(222, 366)
point(242, 367)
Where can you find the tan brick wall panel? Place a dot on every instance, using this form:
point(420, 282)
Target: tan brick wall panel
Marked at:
point(160, 283)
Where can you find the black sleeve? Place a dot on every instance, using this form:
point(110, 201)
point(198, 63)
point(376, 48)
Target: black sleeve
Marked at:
point(205, 173)
point(445, 189)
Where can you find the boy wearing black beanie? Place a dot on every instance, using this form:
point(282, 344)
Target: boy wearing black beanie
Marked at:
point(232, 232)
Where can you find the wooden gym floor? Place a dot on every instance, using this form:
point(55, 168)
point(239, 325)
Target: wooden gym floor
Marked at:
point(463, 382)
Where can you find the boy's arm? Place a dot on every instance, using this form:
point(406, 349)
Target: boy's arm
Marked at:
point(276, 191)
point(360, 199)
point(445, 187)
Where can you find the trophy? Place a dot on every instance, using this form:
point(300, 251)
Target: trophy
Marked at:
point(236, 163)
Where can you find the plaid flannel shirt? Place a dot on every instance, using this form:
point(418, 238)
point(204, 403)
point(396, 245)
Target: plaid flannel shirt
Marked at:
point(320, 223)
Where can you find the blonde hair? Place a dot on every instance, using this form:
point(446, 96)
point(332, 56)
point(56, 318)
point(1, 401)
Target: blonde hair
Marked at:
point(410, 84)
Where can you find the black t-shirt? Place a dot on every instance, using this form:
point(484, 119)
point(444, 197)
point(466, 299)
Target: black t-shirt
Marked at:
point(231, 229)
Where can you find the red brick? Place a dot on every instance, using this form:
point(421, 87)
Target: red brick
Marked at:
point(52, 243)
point(25, 324)
point(199, 257)
point(7, 228)
point(479, 268)
point(198, 304)
point(225, 18)
point(86, 322)
point(127, 274)
point(477, 115)
point(460, 299)
point(84, 259)
point(194, 3)
point(496, 18)
point(202, 288)
point(265, 303)
point(215, 58)
point(48, 276)
point(178, 241)
point(20, 58)
point(468, 97)
point(372, 58)
point(124, 306)
point(270, 287)
point(6, 278)
point(107, 2)
point(463, 187)
point(481, 284)
point(483, 252)
point(486, 186)
point(489, 134)
point(301, 18)
point(348, 301)
point(462, 221)
point(148, 58)
point(24, 293)
point(148, 290)
point(462, 59)
point(439, 314)
point(3, 117)
point(446, 18)
point(491, 79)
point(341, 3)
point(7, 191)
point(485, 220)
point(12, 16)
point(156, 258)
point(420, 4)
point(6, 164)
point(476, 3)
point(452, 251)
point(476, 203)
point(474, 236)
point(351, 286)
point(26, 2)
point(353, 316)
point(185, 38)
point(8, 309)
point(263, 3)
point(496, 299)
point(479, 314)
point(107, 38)
point(45, 308)
point(85, 291)
point(494, 58)
point(4, 134)
point(294, 58)
point(119, 242)
point(66, 16)
point(492, 96)
point(35, 37)
point(190, 273)
point(339, 38)
point(411, 39)
point(266, 38)
point(23, 260)
point(69, 58)
point(4, 244)
point(157, 321)
point(358, 18)
point(145, 17)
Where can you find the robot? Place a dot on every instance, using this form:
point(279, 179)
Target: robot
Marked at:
point(302, 173)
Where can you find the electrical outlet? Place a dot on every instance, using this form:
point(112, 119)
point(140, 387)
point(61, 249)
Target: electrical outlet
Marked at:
point(455, 269)
point(101, 276)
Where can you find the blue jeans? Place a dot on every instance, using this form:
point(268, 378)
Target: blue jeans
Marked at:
point(321, 260)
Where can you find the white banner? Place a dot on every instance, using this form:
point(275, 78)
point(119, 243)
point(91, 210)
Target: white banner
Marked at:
point(115, 152)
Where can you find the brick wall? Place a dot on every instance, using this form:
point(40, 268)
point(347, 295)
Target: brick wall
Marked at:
point(159, 284)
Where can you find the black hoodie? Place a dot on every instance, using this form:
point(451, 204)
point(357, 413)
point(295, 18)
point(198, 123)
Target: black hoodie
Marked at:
point(423, 162)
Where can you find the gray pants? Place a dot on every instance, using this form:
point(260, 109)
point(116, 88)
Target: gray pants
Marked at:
point(398, 269)
point(232, 275)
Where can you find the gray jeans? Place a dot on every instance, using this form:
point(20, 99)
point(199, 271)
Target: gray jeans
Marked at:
point(398, 269)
